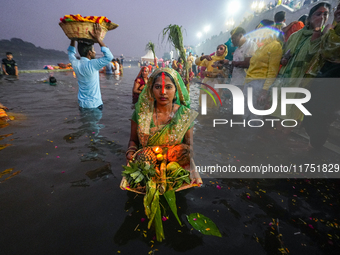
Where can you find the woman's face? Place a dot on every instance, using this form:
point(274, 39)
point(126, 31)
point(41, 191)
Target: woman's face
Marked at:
point(319, 17)
point(164, 97)
point(220, 50)
point(145, 72)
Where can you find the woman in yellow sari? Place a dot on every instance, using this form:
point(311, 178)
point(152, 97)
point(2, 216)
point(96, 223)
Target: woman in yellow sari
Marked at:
point(212, 74)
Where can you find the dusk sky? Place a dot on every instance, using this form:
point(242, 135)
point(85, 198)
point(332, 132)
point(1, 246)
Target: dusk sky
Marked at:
point(139, 21)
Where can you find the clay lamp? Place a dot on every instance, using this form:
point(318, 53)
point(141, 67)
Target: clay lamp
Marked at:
point(157, 150)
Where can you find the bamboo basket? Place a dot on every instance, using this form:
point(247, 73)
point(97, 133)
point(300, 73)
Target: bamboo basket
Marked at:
point(77, 30)
point(124, 185)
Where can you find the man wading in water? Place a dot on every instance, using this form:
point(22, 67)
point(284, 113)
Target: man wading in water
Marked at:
point(87, 69)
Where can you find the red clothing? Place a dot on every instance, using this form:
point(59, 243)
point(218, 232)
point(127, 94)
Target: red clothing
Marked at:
point(191, 76)
point(202, 72)
point(135, 96)
point(294, 28)
point(150, 68)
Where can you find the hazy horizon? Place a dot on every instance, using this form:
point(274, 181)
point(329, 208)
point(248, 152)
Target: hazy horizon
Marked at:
point(139, 22)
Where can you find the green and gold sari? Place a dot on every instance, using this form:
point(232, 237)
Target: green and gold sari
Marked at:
point(302, 50)
point(173, 132)
point(329, 50)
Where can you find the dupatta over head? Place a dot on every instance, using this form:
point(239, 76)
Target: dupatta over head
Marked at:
point(172, 133)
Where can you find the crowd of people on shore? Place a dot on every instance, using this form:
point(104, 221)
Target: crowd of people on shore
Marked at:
point(296, 55)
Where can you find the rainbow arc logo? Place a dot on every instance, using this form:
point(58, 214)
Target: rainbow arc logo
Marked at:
point(208, 92)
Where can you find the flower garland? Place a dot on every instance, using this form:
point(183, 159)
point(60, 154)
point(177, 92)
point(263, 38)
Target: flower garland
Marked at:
point(79, 18)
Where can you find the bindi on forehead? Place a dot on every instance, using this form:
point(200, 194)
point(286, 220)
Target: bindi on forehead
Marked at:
point(163, 82)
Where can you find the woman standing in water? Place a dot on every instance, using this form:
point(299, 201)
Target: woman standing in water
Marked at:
point(140, 81)
point(163, 116)
point(212, 75)
point(120, 67)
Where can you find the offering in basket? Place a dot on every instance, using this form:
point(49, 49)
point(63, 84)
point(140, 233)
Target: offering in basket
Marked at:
point(77, 27)
point(169, 167)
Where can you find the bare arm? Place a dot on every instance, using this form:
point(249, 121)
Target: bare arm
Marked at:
point(134, 142)
point(188, 136)
point(4, 69)
point(73, 43)
point(195, 178)
point(16, 70)
point(136, 87)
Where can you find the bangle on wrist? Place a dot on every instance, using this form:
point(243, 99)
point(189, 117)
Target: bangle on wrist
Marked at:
point(128, 151)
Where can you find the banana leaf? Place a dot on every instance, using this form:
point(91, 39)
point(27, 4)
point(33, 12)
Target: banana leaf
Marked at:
point(171, 199)
point(203, 224)
point(159, 225)
point(154, 209)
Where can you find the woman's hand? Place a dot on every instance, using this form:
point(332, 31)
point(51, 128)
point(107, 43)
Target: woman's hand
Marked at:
point(316, 34)
point(207, 57)
point(129, 156)
point(219, 64)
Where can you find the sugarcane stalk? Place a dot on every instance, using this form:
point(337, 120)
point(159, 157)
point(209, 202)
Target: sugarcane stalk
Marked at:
point(162, 169)
point(175, 38)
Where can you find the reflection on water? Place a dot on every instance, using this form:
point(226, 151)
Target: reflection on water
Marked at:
point(101, 172)
point(135, 226)
point(90, 128)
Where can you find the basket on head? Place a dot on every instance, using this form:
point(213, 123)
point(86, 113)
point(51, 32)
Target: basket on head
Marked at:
point(80, 30)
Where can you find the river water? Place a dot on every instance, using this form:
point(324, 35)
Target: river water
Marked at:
point(62, 195)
